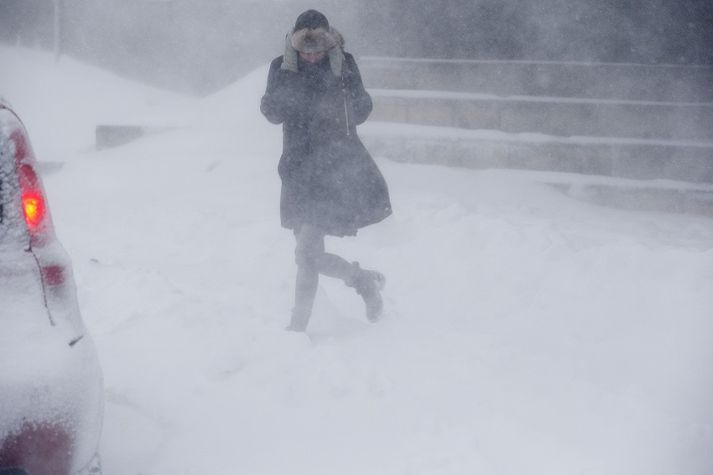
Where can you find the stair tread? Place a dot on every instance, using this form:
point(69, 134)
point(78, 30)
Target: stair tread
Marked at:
point(377, 128)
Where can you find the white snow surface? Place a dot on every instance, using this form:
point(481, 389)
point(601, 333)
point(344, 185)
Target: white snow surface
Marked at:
point(525, 332)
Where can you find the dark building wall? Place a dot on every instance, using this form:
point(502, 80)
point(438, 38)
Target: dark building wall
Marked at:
point(640, 31)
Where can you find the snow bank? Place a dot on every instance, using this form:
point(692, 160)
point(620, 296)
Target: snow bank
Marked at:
point(62, 102)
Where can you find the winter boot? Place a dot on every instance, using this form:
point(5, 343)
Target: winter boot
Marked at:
point(368, 284)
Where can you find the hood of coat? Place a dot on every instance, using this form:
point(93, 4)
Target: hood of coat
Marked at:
point(316, 40)
point(308, 40)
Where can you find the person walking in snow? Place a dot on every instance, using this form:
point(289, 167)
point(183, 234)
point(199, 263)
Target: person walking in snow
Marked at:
point(330, 183)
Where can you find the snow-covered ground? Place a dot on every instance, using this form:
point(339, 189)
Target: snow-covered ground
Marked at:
point(526, 333)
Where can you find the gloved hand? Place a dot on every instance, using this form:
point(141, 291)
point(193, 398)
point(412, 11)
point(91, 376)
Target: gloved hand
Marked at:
point(289, 59)
point(336, 60)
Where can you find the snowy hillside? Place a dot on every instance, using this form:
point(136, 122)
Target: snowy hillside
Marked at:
point(526, 333)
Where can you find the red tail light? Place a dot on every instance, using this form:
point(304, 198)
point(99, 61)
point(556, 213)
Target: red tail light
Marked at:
point(53, 275)
point(33, 201)
point(34, 206)
point(40, 449)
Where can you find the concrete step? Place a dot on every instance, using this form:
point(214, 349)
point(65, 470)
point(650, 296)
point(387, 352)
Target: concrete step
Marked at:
point(116, 135)
point(604, 156)
point(644, 197)
point(668, 83)
point(584, 178)
point(548, 115)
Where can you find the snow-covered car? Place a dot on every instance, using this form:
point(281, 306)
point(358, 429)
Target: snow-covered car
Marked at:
point(50, 380)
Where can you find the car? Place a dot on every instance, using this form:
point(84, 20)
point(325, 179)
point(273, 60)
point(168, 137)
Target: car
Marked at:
point(51, 390)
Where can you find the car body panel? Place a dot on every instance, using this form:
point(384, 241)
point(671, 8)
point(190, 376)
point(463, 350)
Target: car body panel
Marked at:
point(51, 399)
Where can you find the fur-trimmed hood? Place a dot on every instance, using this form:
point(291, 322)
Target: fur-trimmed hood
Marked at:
point(318, 40)
point(309, 40)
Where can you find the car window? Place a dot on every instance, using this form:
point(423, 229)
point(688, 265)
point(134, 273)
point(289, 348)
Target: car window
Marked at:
point(2, 204)
point(4, 152)
point(4, 198)
point(6, 191)
point(13, 233)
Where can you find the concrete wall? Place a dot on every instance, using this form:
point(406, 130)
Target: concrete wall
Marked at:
point(580, 80)
point(631, 121)
point(639, 161)
point(552, 117)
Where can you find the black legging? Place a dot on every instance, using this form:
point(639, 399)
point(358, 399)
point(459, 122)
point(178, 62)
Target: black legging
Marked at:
point(311, 261)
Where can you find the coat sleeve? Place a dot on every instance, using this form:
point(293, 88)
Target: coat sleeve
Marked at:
point(284, 97)
point(361, 100)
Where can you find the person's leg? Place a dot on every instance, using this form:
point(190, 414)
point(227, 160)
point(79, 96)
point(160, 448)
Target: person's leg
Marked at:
point(367, 283)
point(312, 260)
point(309, 249)
point(334, 266)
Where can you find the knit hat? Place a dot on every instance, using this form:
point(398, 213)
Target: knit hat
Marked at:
point(311, 19)
point(312, 33)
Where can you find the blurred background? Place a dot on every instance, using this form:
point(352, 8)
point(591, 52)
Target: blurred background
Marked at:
point(200, 46)
point(596, 87)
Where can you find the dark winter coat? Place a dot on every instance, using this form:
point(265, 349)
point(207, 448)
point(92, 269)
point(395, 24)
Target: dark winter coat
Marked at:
point(329, 180)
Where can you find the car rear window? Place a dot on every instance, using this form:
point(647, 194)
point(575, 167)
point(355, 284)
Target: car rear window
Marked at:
point(6, 167)
point(3, 178)
point(4, 156)
point(3, 191)
point(9, 224)
point(2, 203)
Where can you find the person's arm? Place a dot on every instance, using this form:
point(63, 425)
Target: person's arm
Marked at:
point(285, 95)
point(361, 100)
